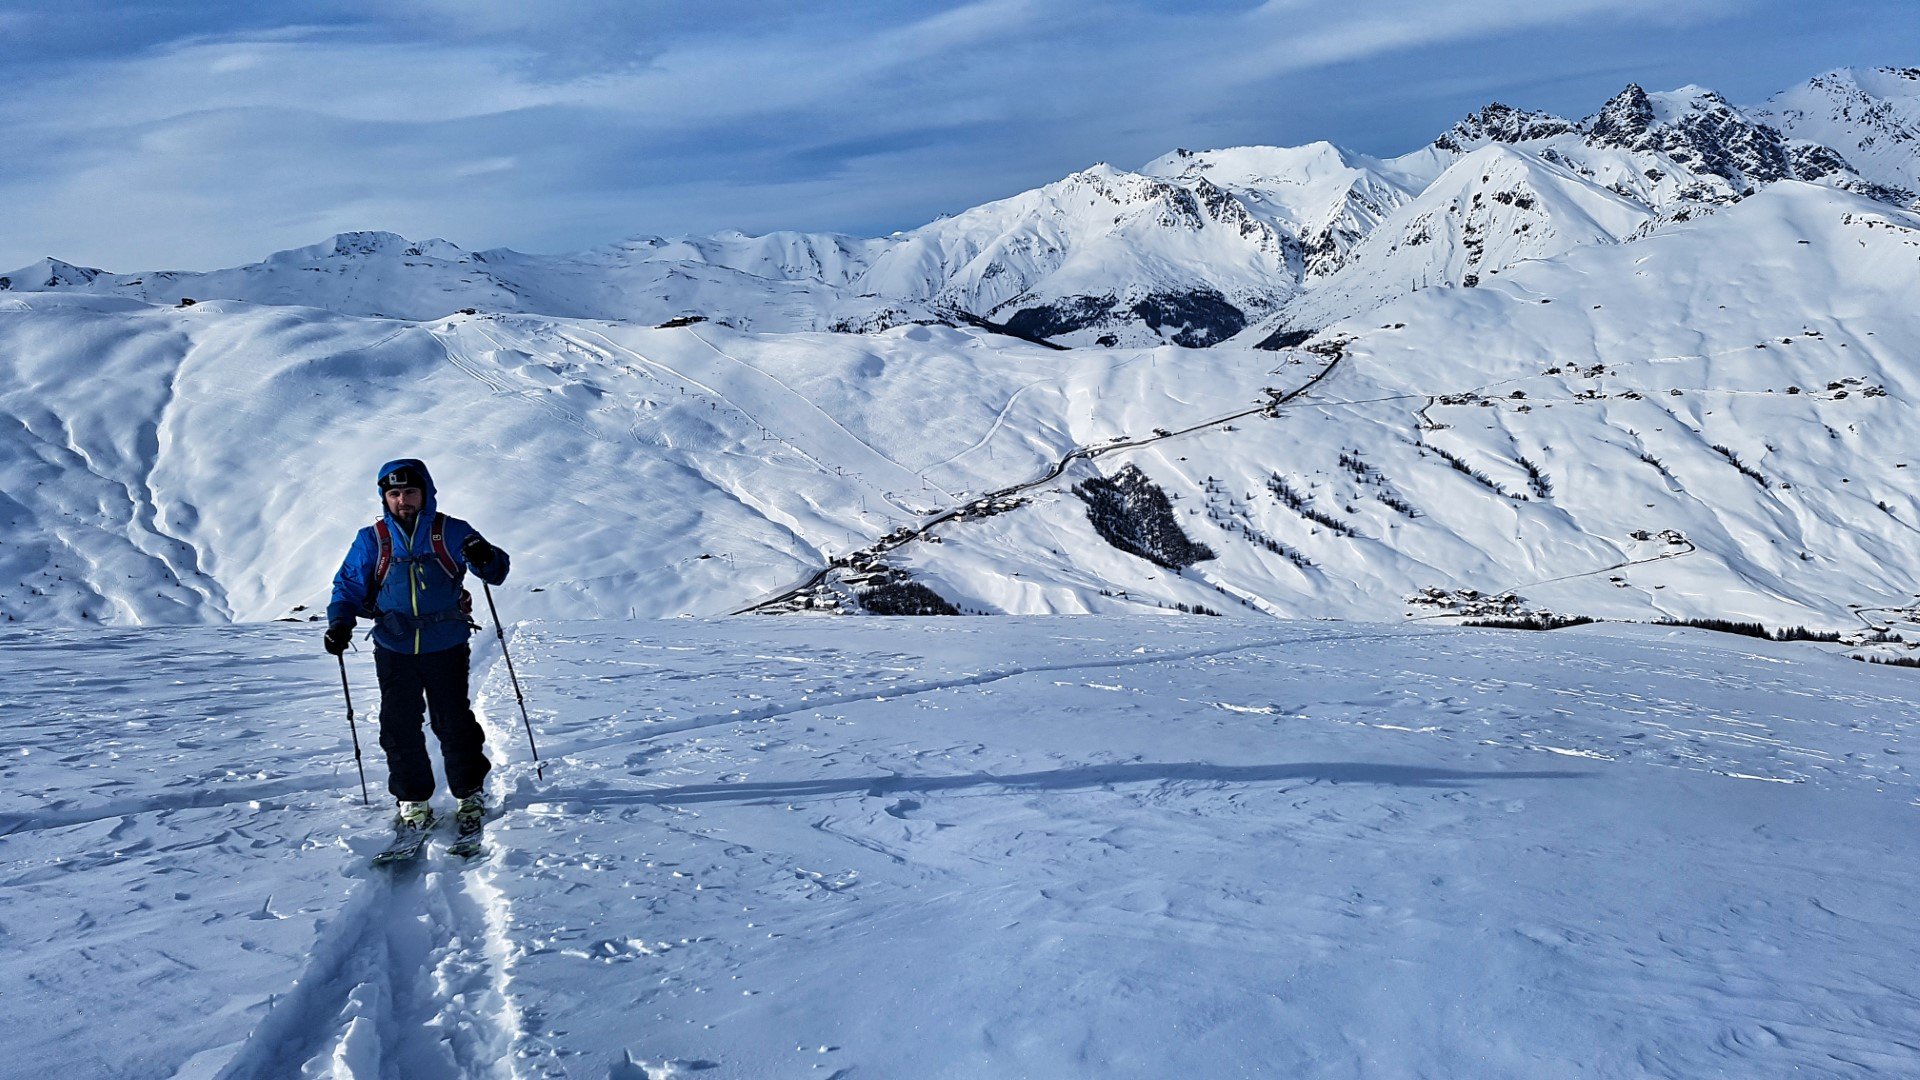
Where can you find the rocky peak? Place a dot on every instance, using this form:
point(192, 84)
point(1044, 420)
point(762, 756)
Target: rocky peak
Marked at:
point(1698, 129)
point(1622, 121)
point(1499, 123)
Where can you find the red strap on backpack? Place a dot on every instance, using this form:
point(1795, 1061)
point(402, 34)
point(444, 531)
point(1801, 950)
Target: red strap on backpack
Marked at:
point(383, 535)
point(440, 547)
point(385, 538)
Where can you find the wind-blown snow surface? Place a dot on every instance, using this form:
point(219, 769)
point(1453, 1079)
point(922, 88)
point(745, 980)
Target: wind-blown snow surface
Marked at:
point(960, 848)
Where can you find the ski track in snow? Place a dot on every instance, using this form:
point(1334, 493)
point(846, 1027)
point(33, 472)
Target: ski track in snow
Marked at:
point(1050, 847)
point(409, 981)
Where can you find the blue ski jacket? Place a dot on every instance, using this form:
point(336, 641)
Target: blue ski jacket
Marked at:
point(418, 608)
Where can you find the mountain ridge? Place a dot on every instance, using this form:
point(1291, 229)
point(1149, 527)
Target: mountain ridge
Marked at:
point(1544, 383)
point(1222, 239)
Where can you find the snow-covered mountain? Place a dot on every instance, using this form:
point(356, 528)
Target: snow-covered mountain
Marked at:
point(1491, 209)
point(1659, 363)
point(1871, 117)
point(1194, 248)
point(1572, 361)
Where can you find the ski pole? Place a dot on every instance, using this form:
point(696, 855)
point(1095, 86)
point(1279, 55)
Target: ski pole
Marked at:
point(342, 657)
point(538, 772)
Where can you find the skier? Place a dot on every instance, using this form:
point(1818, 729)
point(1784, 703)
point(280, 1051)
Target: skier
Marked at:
point(404, 572)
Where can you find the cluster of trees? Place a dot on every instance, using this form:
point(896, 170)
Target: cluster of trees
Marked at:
point(1133, 514)
point(905, 598)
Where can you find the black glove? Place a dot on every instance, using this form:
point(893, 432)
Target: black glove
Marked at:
point(339, 636)
point(478, 552)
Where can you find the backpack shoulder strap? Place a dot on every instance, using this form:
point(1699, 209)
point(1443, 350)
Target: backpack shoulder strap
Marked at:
point(440, 549)
point(382, 562)
point(383, 536)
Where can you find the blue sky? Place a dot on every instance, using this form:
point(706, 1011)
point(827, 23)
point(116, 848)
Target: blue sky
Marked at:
point(147, 135)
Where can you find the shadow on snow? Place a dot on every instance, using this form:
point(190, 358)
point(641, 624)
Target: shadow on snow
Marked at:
point(1090, 776)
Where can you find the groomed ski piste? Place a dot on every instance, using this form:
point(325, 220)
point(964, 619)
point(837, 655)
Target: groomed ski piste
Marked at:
point(1040, 847)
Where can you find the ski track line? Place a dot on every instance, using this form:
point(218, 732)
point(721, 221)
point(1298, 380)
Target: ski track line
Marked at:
point(775, 711)
point(999, 421)
point(409, 981)
point(905, 474)
point(404, 984)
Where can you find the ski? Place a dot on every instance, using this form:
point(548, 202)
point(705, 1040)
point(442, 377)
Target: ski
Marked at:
point(469, 847)
point(409, 839)
point(469, 838)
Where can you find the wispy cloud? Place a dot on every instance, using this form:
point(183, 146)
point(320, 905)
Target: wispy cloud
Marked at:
point(575, 122)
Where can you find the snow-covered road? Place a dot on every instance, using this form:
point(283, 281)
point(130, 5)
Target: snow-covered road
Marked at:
point(1071, 847)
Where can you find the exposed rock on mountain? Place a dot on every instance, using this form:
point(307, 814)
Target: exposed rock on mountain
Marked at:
point(1499, 123)
point(1870, 116)
point(1699, 130)
point(1194, 249)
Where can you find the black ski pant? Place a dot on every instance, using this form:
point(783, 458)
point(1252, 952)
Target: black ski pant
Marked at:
point(440, 678)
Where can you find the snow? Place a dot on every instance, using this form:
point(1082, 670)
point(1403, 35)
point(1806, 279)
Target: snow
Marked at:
point(1551, 378)
point(1870, 115)
point(636, 471)
point(1092, 847)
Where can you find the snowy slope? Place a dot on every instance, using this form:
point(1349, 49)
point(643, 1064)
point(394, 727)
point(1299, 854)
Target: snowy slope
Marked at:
point(1522, 300)
point(1742, 380)
point(961, 848)
point(1721, 380)
point(1103, 249)
point(1491, 209)
point(1326, 198)
point(779, 282)
point(631, 470)
point(1870, 116)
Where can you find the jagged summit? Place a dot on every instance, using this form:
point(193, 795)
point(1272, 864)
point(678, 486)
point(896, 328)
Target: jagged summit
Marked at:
point(1193, 247)
point(1700, 130)
point(1500, 123)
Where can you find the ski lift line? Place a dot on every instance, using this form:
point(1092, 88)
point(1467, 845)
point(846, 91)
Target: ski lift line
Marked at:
point(714, 394)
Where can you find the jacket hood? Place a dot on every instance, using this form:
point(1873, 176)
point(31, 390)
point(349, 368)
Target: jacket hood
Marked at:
point(432, 503)
point(406, 462)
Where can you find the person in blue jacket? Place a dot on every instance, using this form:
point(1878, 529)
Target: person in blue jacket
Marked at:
point(405, 573)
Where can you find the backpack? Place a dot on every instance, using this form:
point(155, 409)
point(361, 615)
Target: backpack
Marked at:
point(383, 535)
